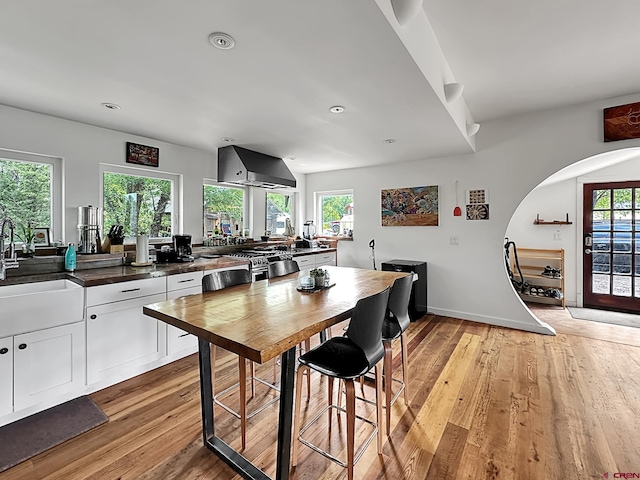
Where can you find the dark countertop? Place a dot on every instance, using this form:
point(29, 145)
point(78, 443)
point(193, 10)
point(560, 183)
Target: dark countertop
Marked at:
point(107, 275)
point(113, 274)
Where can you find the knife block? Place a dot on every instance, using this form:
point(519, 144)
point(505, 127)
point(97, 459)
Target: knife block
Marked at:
point(116, 249)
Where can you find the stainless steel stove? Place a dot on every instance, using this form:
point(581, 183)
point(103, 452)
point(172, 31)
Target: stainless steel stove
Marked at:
point(260, 258)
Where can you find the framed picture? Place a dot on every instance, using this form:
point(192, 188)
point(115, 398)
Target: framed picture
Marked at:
point(622, 122)
point(410, 207)
point(41, 237)
point(142, 154)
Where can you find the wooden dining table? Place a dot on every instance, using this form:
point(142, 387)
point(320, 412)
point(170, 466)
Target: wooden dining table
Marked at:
point(260, 321)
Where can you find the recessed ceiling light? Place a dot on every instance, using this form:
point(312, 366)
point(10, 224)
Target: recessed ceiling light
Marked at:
point(390, 140)
point(228, 139)
point(111, 106)
point(221, 40)
point(337, 109)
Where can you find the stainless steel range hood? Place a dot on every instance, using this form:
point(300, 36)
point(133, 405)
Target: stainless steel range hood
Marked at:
point(246, 167)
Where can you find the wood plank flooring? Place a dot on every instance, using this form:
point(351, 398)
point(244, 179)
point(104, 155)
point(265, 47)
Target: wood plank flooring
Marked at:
point(485, 403)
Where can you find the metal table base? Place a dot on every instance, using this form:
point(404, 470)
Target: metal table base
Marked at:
point(230, 456)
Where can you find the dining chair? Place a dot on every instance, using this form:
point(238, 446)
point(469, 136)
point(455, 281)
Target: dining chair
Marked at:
point(218, 281)
point(396, 321)
point(347, 358)
point(282, 268)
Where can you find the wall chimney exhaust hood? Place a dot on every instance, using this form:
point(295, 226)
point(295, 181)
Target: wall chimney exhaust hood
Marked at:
point(246, 167)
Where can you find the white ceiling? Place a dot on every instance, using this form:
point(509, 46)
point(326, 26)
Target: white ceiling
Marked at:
point(295, 59)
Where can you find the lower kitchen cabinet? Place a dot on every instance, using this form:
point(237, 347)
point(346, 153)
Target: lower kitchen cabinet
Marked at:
point(6, 376)
point(48, 363)
point(307, 262)
point(121, 338)
point(178, 340)
point(38, 366)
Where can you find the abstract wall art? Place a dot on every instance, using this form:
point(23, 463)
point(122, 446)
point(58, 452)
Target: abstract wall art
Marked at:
point(410, 207)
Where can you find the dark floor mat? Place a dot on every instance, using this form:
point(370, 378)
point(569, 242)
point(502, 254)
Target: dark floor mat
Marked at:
point(30, 436)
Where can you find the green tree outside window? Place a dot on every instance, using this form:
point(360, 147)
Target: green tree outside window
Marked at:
point(25, 194)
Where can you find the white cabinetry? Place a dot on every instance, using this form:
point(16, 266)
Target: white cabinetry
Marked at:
point(48, 363)
point(42, 349)
point(120, 337)
point(306, 262)
point(179, 286)
point(6, 376)
point(326, 258)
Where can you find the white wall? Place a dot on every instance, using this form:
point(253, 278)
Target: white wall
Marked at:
point(513, 156)
point(84, 147)
point(553, 202)
point(467, 281)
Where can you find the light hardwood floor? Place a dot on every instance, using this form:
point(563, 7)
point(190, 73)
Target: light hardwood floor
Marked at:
point(485, 403)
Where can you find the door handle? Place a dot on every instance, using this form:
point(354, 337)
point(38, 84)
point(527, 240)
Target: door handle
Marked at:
point(587, 251)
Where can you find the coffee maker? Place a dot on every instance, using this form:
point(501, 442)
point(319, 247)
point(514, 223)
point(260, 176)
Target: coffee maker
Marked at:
point(182, 248)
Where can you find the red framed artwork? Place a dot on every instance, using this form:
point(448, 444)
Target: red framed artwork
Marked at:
point(142, 154)
point(622, 122)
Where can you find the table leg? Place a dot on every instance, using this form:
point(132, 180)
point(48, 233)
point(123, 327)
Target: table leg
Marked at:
point(231, 457)
point(285, 420)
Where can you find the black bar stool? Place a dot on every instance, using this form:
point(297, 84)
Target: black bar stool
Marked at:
point(217, 281)
point(347, 358)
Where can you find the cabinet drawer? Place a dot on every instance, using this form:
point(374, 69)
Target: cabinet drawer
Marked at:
point(117, 292)
point(328, 258)
point(305, 262)
point(184, 280)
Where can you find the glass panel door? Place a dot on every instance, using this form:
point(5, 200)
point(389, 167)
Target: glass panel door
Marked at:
point(610, 262)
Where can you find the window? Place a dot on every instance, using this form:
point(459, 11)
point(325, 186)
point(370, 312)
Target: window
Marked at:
point(224, 210)
point(279, 210)
point(334, 213)
point(141, 203)
point(30, 192)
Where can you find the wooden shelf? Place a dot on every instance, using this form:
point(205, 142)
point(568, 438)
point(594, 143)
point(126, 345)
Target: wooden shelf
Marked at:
point(555, 222)
point(532, 263)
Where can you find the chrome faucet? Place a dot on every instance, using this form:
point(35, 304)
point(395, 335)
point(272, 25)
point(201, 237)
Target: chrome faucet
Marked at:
point(12, 261)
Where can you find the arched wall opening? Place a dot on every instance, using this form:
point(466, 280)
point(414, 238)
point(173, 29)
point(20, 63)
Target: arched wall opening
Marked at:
point(559, 196)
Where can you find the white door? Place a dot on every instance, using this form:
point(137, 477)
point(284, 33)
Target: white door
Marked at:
point(6, 376)
point(48, 363)
point(120, 338)
point(178, 340)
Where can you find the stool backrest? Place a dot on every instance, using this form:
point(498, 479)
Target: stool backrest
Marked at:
point(282, 267)
point(399, 297)
point(227, 278)
point(365, 326)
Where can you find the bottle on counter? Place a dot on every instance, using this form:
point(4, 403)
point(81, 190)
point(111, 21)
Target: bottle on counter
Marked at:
point(70, 258)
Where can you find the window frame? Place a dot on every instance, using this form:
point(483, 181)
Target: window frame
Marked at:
point(292, 203)
point(246, 191)
point(176, 194)
point(56, 180)
point(317, 206)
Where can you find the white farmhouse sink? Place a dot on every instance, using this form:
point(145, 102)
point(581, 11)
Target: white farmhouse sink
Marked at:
point(34, 306)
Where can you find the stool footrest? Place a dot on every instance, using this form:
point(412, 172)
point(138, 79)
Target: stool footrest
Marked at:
point(236, 385)
point(357, 455)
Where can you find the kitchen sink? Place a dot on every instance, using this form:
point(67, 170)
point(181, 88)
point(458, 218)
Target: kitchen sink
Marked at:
point(38, 305)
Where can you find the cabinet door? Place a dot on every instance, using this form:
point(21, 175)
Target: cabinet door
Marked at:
point(121, 338)
point(48, 363)
point(178, 340)
point(6, 376)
